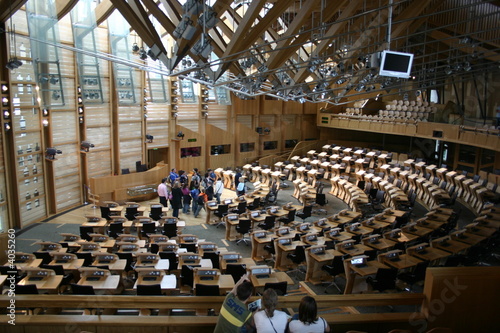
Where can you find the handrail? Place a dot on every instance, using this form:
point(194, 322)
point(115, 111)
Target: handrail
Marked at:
point(190, 302)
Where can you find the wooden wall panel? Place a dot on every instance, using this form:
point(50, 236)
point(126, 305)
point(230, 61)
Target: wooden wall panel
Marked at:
point(64, 126)
point(451, 291)
point(97, 115)
point(293, 108)
point(309, 128)
point(100, 164)
point(245, 134)
point(245, 106)
point(67, 64)
point(188, 163)
point(217, 136)
point(311, 108)
point(270, 106)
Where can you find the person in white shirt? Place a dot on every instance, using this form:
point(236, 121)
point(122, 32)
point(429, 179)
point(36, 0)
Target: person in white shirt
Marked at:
point(219, 187)
point(163, 192)
point(269, 320)
point(308, 320)
point(240, 190)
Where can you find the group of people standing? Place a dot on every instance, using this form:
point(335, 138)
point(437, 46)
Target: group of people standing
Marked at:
point(235, 315)
point(189, 195)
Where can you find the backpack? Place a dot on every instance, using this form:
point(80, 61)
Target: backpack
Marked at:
point(201, 199)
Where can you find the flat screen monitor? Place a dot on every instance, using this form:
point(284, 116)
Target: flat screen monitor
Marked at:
point(396, 64)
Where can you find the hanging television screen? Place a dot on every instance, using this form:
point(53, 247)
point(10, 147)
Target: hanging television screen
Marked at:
point(396, 64)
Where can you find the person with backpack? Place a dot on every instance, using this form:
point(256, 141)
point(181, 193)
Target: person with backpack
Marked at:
point(195, 179)
point(202, 198)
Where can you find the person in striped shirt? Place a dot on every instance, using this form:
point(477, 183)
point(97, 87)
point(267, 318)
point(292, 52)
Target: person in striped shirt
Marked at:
point(234, 313)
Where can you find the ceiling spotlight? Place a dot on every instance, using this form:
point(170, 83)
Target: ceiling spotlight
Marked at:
point(54, 79)
point(56, 95)
point(14, 63)
point(135, 48)
point(149, 138)
point(143, 54)
point(467, 66)
point(448, 70)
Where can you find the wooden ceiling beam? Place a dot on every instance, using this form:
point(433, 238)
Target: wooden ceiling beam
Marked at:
point(103, 10)
point(138, 19)
point(63, 7)
point(236, 44)
point(9, 7)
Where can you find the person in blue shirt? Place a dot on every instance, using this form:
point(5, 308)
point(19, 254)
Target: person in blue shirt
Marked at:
point(195, 192)
point(173, 176)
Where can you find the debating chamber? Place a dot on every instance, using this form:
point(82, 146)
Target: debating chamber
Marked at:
point(157, 157)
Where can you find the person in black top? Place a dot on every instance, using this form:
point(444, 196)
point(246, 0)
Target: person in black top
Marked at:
point(237, 177)
point(176, 200)
point(209, 190)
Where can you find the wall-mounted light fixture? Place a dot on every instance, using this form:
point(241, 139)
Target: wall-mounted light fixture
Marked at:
point(7, 126)
point(149, 138)
point(5, 88)
point(45, 123)
point(50, 153)
point(45, 112)
point(204, 114)
point(85, 145)
point(180, 135)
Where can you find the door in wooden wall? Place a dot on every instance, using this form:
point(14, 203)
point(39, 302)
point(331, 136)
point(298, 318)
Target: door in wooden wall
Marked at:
point(156, 155)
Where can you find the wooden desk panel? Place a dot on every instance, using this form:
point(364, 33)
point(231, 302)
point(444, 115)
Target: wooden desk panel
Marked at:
point(167, 282)
point(109, 282)
point(49, 283)
point(224, 281)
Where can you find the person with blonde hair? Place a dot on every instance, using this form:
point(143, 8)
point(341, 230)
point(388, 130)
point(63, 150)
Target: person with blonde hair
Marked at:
point(269, 320)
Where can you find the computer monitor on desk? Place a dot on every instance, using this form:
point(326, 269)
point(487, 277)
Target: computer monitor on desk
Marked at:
point(259, 234)
point(99, 238)
point(255, 214)
point(212, 203)
point(104, 258)
point(188, 239)
point(127, 238)
point(127, 247)
point(319, 249)
point(347, 245)
point(283, 231)
point(63, 258)
point(311, 237)
point(334, 232)
point(89, 247)
point(207, 246)
point(393, 255)
point(321, 222)
point(189, 258)
point(228, 201)
point(303, 227)
point(209, 274)
point(231, 258)
point(147, 259)
point(420, 248)
point(21, 257)
point(232, 217)
point(373, 239)
point(93, 274)
point(285, 241)
point(261, 272)
point(359, 261)
point(150, 274)
point(37, 274)
point(168, 247)
point(70, 237)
